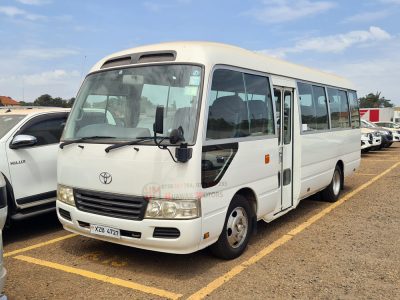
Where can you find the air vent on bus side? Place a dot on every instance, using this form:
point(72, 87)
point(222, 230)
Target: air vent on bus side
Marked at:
point(140, 58)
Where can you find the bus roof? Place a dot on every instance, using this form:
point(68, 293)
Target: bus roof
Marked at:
point(210, 54)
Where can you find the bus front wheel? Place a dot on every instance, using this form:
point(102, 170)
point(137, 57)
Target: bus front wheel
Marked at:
point(332, 191)
point(237, 229)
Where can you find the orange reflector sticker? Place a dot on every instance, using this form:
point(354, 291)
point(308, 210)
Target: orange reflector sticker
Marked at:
point(266, 159)
point(206, 235)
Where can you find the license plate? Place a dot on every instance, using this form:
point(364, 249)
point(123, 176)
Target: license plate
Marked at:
point(105, 231)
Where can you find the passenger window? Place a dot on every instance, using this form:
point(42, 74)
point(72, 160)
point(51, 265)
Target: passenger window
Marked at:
point(354, 111)
point(321, 108)
point(47, 131)
point(259, 105)
point(314, 109)
point(339, 108)
point(240, 105)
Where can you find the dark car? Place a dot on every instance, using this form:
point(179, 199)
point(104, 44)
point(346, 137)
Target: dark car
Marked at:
point(387, 136)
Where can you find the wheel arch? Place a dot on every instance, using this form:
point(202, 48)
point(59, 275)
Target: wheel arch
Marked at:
point(250, 195)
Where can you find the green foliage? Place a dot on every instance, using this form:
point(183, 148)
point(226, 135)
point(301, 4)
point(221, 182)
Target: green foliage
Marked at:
point(374, 100)
point(47, 100)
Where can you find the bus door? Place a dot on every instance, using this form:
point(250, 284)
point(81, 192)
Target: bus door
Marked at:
point(284, 112)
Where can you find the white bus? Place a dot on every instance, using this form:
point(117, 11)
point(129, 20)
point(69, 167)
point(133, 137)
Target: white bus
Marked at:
point(206, 140)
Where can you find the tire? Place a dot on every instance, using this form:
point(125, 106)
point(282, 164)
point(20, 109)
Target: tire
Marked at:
point(332, 191)
point(388, 145)
point(229, 245)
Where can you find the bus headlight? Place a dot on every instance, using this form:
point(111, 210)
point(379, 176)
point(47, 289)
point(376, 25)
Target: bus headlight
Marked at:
point(65, 194)
point(172, 209)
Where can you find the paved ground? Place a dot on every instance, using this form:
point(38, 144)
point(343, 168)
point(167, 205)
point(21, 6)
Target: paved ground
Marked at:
point(346, 250)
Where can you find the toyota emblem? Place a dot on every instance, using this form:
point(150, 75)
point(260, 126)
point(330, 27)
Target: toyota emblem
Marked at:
point(105, 178)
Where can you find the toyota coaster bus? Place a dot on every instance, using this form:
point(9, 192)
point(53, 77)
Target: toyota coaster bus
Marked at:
point(175, 147)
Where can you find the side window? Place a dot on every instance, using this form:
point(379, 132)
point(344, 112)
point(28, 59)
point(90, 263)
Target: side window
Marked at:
point(259, 105)
point(46, 130)
point(354, 112)
point(321, 108)
point(314, 109)
point(339, 108)
point(306, 107)
point(240, 105)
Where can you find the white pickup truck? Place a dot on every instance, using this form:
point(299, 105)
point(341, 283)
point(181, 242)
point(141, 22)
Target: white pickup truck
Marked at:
point(29, 140)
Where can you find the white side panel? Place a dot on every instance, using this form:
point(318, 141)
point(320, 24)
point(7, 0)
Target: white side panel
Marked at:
point(247, 170)
point(320, 154)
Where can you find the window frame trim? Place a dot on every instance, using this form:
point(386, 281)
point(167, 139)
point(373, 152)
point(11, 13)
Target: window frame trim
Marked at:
point(207, 95)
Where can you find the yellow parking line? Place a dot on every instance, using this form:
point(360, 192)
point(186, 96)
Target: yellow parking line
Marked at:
point(365, 174)
point(11, 253)
point(387, 160)
point(215, 284)
point(100, 277)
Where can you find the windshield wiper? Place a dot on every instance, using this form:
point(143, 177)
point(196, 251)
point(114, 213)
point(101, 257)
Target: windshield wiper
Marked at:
point(82, 139)
point(135, 142)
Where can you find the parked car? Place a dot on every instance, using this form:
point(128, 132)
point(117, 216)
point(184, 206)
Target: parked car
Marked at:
point(387, 136)
point(370, 139)
point(3, 217)
point(29, 140)
point(393, 127)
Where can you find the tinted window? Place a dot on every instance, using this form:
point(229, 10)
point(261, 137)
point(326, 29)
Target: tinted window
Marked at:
point(314, 109)
point(240, 105)
point(287, 118)
point(47, 131)
point(339, 108)
point(259, 105)
point(354, 112)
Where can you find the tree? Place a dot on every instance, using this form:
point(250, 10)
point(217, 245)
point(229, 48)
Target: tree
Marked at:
point(44, 100)
point(70, 102)
point(47, 100)
point(374, 100)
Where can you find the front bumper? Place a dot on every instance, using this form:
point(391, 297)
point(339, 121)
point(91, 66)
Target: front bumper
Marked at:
point(188, 241)
point(376, 141)
point(396, 137)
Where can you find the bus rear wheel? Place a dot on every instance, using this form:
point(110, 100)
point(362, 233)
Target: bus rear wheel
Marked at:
point(332, 191)
point(237, 229)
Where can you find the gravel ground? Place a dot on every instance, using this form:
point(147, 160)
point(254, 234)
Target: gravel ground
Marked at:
point(351, 253)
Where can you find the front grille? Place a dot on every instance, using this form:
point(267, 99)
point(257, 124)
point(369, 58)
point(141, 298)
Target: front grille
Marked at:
point(65, 214)
point(111, 205)
point(166, 233)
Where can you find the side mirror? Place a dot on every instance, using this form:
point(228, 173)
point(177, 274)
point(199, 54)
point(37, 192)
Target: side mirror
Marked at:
point(22, 141)
point(158, 126)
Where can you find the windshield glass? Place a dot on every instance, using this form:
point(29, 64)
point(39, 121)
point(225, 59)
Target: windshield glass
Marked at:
point(122, 103)
point(7, 122)
point(368, 124)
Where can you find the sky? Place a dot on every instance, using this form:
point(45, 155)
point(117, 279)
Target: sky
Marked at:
point(48, 46)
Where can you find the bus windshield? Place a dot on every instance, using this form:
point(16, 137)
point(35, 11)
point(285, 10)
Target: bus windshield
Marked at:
point(121, 103)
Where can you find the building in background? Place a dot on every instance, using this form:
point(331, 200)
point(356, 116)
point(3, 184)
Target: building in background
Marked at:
point(384, 114)
point(396, 115)
point(8, 101)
